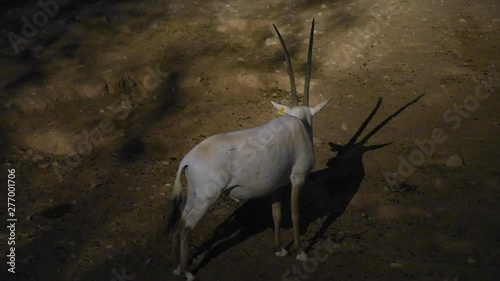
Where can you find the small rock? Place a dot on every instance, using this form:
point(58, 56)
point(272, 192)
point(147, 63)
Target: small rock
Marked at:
point(440, 183)
point(271, 41)
point(344, 126)
point(44, 165)
point(462, 20)
point(37, 158)
point(168, 184)
point(471, 261)
point(317, 141)
point(124, 29)
point(323, 6)
point(396, 265)
point(221, 29)
point(454, 161)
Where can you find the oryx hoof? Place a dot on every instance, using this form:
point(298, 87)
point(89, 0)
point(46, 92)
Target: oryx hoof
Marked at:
point(189, 276)
point(281, 252)
point(177, 270)
point(198, 259)
point(301, 256)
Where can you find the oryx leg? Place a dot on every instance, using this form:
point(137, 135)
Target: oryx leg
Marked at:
point(276, 198)
point(175, 250)
point(190, 218)
point(297, 184)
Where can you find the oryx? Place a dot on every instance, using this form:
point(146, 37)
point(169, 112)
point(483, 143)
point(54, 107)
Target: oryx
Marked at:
point(248, 164)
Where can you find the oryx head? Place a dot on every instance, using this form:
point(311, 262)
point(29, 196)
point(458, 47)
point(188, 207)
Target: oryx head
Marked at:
point(303, 112)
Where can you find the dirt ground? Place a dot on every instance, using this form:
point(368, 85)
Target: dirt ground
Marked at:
point(102, 99)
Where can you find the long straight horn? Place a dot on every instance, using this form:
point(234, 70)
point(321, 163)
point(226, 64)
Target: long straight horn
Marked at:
point(295, 101)
point(309, 66)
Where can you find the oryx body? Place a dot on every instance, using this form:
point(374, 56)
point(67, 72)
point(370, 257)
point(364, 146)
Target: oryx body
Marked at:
point(248, 164)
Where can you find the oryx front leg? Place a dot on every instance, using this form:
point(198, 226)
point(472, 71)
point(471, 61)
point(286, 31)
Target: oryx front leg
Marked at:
point(276, 203)
point(297, 183)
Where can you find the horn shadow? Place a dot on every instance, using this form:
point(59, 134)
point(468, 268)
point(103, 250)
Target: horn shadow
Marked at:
point(330, 190)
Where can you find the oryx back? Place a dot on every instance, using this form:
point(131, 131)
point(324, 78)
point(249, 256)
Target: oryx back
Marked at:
point(252, 162)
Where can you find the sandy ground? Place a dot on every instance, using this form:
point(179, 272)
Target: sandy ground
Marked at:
point(102, 99)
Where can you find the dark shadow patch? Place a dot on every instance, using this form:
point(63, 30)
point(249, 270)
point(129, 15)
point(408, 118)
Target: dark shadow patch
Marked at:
point(168, 96)
point(253, 217)
point(35, 75)
point(57, 211)
point(131, 149)
point(69, 51)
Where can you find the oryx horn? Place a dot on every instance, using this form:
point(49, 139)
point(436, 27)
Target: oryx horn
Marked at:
point(290, 68)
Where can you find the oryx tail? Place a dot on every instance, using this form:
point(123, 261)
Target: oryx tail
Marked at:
point(178, 201)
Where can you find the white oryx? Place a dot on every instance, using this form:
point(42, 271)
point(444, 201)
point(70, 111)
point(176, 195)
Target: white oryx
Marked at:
point(248, 164)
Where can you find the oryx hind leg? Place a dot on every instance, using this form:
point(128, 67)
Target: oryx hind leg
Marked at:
point(175, 250)
point(297, 184)
point(190, 218)
point(276, 199)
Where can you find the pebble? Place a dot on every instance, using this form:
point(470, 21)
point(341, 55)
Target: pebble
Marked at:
point(44, 165)
point(317, 141)
point(471, 261)
point(396, 265)
point(271, 41)
point(344, 126)
point(454, 161)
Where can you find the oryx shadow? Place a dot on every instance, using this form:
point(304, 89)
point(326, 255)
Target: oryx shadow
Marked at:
point(252, 217)
point(329, 191)
point(326, 193)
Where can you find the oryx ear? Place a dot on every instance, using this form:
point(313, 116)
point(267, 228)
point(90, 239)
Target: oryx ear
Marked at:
point(318, 107)
point(282, 109)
